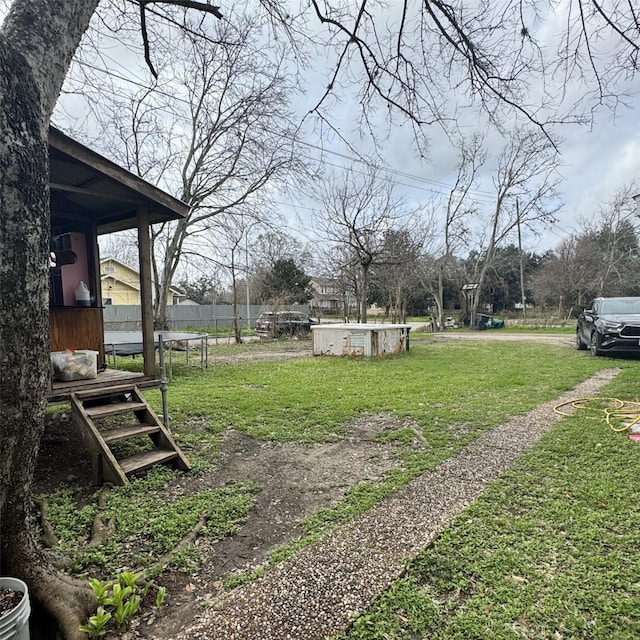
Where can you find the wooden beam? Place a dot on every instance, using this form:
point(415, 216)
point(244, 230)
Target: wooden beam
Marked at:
point(158, 199)
point(96, 282)
point(146, 298)
point(67, 188)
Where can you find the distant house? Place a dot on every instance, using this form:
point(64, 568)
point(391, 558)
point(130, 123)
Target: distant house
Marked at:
point(121, 283)
point(328, 296)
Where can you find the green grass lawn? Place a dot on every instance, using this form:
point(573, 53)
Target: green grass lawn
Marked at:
point(551, 550)
point(535, 557)
point(441, 386)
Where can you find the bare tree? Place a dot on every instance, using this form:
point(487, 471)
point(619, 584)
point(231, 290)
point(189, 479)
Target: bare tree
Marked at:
point(203, 287)
point(397, 279)
point(360, 209)
point(334, 261)
point(276, 245)
point(226, 128)
point(271, 248)
point(122, 246)
point(561, 283)
point(235, 235)
point(603, 258)
point(617, 240)
point(439, 263)
point(406, 57)
point(525, 194)
point(459, 210)
point(487, 49)
point(230, 240)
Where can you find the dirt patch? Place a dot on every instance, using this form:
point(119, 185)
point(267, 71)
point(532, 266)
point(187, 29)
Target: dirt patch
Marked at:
point(560, 339)
point(295, 480)
point(267, 351)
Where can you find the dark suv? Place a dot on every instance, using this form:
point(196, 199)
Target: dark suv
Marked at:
point(608, 325)
point(274, 324)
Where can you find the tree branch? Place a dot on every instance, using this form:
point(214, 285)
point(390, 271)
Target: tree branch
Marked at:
point(188, 4)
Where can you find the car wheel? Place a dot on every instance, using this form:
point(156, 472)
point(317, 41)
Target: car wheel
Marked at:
point(580, 346)
point(595, 343)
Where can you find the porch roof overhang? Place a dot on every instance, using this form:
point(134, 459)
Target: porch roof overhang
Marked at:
point(86, 188)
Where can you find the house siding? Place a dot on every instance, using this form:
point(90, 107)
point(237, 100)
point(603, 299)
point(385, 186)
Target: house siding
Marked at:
point(121, 284)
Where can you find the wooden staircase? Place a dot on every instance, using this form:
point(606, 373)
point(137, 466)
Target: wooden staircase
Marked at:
point(103, 405)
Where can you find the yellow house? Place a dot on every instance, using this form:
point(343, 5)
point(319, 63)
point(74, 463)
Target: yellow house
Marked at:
point(121, 283)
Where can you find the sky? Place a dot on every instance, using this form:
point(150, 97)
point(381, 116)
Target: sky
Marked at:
point(595, 162)
point(596, 159)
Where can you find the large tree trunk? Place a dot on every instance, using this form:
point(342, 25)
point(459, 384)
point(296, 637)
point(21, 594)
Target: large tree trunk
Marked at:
point(169, 261)
point(234, 286)
point(37, 42)
point(363, 299)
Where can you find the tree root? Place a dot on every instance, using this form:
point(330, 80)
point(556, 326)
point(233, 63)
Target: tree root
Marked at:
point(190, 538)
point(49, 538)
point(68, 600)
point(100, 532)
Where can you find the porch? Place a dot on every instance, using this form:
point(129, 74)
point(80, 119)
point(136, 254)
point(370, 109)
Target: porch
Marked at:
point(91, 196)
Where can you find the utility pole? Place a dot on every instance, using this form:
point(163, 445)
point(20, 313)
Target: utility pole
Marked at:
point(246, 265)
point(522, 296)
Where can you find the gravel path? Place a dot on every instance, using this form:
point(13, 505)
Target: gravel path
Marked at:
point(315, 593)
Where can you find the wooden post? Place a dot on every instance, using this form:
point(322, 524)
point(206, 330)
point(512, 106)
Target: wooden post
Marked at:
point(146, 299)
point(93, 253)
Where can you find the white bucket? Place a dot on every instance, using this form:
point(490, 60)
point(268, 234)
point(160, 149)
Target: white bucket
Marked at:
point(14, 625)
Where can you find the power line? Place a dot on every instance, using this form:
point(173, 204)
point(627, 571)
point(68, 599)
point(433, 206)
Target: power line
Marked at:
point(436, 186)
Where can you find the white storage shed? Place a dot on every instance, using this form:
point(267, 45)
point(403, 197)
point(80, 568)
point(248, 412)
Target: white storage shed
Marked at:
point(351, 339)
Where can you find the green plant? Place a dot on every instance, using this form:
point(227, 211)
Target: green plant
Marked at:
point(129, 579)
point(145, 520)
point(100, 590)
point(119, 596)
point(119, 600)
point(127, 609)
point(96, 626)
point(160, 595)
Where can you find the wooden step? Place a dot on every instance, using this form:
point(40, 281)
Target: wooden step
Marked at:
point(105, 392)
point(142, 461)
point(114, 408)
point(127, 433)
point(105, 464)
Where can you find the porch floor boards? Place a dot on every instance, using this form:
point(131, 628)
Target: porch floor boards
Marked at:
point(60, 391)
